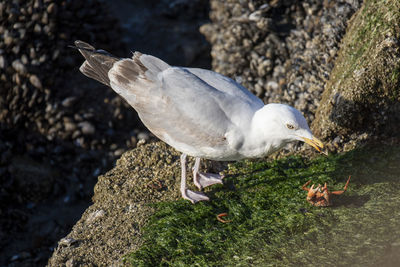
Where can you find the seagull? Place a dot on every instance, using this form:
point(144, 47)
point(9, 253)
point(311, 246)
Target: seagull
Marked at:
point(198, 112)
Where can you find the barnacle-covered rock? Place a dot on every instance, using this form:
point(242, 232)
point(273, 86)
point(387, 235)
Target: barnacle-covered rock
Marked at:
point(283, 51)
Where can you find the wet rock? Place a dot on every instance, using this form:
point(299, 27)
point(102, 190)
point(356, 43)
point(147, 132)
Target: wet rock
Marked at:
point(71, 263)
point(19, 66)
point(34, 80)
point(143, 136)
point(8, 40)
point(70, 126)
point(94, 216)
point(52, 9)
point(69, 101)
point(119, 152)
point(67, 242)
point(362, 98)
point(3, 62)
point(87, 128)
point(278, 42)
point(135, 170)
point(41, 178)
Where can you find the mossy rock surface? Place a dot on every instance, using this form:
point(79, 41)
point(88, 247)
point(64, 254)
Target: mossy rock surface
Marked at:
point(136, 222)
point(272, 224)
point(362, 98)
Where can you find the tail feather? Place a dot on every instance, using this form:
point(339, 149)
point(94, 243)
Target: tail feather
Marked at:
point(98, 62)
point(129, 77)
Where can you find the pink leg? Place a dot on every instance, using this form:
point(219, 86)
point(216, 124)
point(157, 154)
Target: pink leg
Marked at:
point(202, 180)
point(186, 193)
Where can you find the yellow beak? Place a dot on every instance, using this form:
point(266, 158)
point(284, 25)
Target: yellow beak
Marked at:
point(314, 142)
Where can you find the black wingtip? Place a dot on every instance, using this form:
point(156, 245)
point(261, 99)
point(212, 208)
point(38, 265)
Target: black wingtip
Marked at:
point(72, 46)
point(82, 46)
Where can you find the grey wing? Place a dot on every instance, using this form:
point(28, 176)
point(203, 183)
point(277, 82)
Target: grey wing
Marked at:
point(177, 106)
point(227, 85)
point(188, 111)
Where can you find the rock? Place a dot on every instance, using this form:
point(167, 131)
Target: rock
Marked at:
point(362, 98)
point(75, 134)
point(37, 29)
point(94, 216)
point(119, 152)
point(70, 126)
point(67, 242)
point(87, 128)
point(52, 9)
point(8, 40)
point(143, 136)
point(69, 101)
point(3, 62)
point(19, 66)
point(100, 235)
point(70, 263)
point(41, 178)
point(37, 72)
point(248, 41)
point(34, 80)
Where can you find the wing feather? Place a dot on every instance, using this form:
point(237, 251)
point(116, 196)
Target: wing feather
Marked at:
point(227, 85)
point(180, 108)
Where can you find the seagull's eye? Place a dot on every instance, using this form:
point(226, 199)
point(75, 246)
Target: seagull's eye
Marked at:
point(290, 126)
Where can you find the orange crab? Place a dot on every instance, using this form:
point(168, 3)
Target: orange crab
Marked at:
point(320, 196)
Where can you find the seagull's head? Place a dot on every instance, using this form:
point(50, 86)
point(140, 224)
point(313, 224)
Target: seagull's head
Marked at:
point(289, 124)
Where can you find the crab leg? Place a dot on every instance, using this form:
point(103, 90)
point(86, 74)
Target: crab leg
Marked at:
point(325, 188)
point(304, 187)
point(344, 189)
point(311, 192)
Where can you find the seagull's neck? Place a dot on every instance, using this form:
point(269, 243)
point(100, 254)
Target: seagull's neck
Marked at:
point(263, 139)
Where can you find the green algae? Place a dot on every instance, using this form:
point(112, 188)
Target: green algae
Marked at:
point(272, 224)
